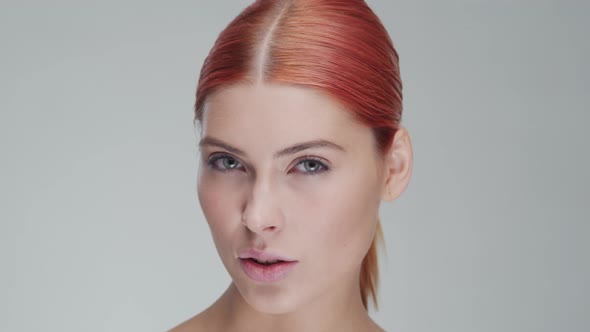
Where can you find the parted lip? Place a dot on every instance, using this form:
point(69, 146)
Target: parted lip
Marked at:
point(261, 255)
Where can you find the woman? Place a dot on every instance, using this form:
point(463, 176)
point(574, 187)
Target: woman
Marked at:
point(299, 104)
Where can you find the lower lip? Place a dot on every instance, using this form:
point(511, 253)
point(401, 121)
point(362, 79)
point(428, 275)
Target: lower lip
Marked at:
point(266, 273)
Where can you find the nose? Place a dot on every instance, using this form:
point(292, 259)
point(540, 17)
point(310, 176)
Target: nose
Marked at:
point(261, 213)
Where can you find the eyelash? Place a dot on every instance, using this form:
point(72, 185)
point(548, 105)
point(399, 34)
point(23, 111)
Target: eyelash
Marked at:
point(213, 159)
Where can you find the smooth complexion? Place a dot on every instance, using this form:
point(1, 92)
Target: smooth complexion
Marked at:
point(308, 179)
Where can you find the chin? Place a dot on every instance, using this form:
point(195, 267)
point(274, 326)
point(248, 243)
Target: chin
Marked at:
point(269, 299)
point(272, 305)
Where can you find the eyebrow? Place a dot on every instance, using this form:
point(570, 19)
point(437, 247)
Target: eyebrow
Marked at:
point(320, 143)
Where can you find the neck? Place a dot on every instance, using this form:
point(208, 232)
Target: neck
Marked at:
point(340, 310)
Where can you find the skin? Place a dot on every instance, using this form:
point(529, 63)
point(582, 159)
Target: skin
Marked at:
point(322, 216)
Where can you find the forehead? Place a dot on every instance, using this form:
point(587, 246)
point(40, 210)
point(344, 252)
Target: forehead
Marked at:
point(279, 115)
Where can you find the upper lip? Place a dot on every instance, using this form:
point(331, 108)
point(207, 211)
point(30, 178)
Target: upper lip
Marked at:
point(262, 256)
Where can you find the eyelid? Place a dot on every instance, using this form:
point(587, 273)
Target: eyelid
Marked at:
point(310, 157)
point(325, 165)
point(215, 156)
point(220, 154)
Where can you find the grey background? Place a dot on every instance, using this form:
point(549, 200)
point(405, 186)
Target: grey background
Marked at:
point(101, 229)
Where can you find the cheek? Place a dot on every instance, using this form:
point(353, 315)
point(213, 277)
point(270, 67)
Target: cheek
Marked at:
point(340, 218)
point(219, 198)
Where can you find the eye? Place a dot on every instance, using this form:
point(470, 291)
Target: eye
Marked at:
point(223, 163)
point(311, 166)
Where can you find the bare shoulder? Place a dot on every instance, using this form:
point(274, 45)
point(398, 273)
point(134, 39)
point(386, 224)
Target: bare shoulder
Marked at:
point(196, 323)
point(209, 320)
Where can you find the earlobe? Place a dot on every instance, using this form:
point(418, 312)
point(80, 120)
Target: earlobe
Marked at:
point(398, 165)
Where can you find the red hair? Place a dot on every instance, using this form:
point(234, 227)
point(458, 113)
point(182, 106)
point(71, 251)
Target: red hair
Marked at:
point(339, 47)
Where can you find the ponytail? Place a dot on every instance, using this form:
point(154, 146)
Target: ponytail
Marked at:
point(369, 276)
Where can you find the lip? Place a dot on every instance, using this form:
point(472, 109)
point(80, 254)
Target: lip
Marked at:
point(262, 256)
point(266, 273)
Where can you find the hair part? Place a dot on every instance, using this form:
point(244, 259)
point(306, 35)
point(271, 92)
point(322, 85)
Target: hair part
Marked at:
point(338, 47)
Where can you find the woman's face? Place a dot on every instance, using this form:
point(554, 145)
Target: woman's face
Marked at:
point(306, 177)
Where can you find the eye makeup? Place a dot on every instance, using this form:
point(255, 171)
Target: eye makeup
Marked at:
point(307, 165)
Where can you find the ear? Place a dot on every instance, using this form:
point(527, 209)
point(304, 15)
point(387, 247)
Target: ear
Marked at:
point(398, 165)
